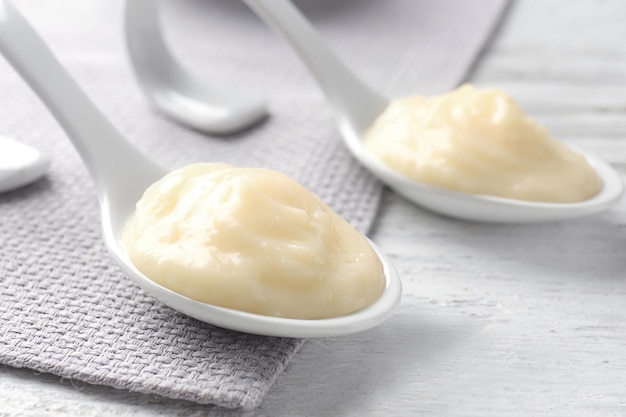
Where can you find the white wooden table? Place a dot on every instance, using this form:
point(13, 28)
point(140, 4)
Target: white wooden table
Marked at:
point(496, 320)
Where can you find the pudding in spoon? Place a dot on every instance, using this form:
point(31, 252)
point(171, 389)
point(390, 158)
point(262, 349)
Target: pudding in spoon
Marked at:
point(122, 174)
point(357, 108)
point(480, 142)
point(254, 240)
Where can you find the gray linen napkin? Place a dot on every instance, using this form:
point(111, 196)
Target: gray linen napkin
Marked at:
point(65, 308)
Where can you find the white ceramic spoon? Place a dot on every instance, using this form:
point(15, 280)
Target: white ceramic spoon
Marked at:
point(356, 106)
point(20, 164)
point(173, 91)
point(121, 174)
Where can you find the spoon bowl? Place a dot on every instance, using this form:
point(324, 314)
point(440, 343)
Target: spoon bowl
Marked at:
point(121, 173)
point(492, 209)
point(356, 106)
point(20, 164)
point(173, 91)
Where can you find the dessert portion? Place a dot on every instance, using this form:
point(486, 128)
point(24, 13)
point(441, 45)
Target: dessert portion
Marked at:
point(253, 240)
point(480, 142)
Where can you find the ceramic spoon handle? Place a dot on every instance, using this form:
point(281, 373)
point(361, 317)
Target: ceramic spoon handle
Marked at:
point(176, 92)
point(146, 47)
point(108, 156)
point(353, 101)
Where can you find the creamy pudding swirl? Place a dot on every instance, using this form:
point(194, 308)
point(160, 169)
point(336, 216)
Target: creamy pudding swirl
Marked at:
point(253, 240)
point(480, 142)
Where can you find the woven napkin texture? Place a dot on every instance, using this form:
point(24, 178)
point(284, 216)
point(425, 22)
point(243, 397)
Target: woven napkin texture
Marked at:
point(65, 308)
